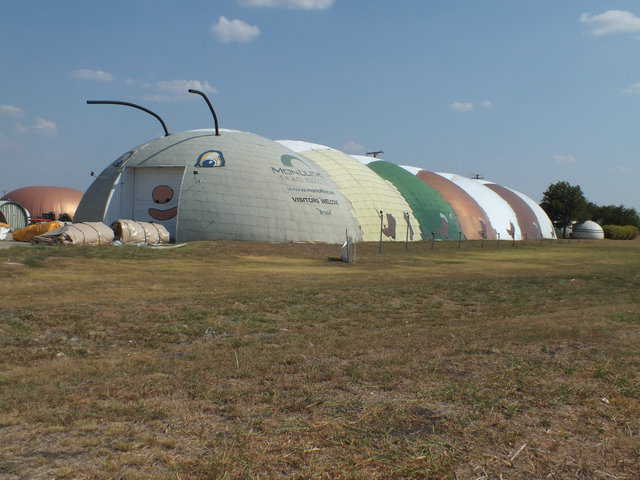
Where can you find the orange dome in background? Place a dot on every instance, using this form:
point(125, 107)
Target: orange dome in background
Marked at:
point(42, 200)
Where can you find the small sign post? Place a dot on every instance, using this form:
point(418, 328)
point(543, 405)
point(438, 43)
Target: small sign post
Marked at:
point(407, 219)
point(381, 213)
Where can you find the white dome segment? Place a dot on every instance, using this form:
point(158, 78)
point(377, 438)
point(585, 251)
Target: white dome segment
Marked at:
point(300, 146)
point(502, 217)
point(412, 170)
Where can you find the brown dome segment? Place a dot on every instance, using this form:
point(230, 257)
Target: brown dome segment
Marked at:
point(41, 200)
point(473, 220)
point(527, 219)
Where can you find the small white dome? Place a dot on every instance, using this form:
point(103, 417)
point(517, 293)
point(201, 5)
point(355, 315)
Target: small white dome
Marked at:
point(588, 230)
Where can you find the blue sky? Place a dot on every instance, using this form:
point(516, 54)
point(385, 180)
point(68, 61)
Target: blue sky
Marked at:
point(525, 93)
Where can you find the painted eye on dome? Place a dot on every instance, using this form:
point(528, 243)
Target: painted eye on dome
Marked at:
point(210, 159)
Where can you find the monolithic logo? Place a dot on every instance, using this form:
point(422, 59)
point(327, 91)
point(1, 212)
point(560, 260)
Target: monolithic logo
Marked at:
point(295, 166)
point(289, 160)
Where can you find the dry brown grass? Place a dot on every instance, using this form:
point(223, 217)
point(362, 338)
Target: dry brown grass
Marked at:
point(253, 361)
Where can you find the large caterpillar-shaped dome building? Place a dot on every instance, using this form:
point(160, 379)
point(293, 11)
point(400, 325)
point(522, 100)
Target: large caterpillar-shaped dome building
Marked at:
point(231, 185)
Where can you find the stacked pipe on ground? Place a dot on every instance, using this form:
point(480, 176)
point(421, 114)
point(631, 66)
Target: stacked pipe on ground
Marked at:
point(130, 231)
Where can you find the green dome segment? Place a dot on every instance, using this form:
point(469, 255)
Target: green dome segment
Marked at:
point(434, 214)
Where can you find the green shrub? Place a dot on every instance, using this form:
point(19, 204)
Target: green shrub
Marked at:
point(620, 232)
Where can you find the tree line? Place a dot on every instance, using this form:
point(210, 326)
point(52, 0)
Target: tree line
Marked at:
point(565, 203)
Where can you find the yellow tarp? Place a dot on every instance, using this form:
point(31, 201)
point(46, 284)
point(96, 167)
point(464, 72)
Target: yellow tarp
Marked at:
point(26, 234)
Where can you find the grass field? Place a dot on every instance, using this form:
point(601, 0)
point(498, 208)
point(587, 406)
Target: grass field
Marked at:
point(254, 361)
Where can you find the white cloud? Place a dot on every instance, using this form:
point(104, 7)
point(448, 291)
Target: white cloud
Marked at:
point(295, 4)
point(353, 147)
point(11, 110)
point(48, 127)
point(94, 75)
point(182, 86)
point(175, 90)
point(564, 159)
point(622, 169)
point(611, 22)
point(234, 31)
point(633, 89)
point(470, 106)
point(40, 126)
point(461, 106)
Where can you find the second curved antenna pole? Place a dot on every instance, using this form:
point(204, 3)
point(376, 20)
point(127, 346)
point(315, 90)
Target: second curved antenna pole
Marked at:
point(213, 112)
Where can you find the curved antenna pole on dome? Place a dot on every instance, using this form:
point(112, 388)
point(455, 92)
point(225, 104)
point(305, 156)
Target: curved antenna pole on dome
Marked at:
point(213, 112)
point(132, 105)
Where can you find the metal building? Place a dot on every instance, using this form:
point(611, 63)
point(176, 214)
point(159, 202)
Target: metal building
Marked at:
point(13, 214)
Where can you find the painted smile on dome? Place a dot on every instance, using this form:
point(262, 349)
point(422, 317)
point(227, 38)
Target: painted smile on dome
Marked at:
point(163, 194)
